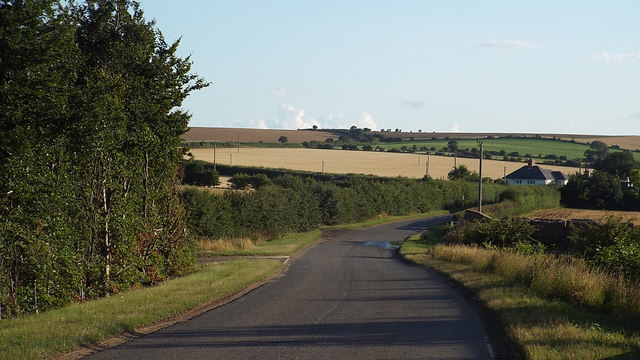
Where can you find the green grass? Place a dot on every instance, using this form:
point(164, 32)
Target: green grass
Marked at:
point(538, 148)
point(545, 327)
point(41, 335)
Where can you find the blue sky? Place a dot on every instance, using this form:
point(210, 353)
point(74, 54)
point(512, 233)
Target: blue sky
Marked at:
point(561, 66)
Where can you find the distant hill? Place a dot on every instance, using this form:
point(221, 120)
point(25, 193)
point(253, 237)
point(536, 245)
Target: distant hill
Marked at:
point(298, 136)
point(254, 135)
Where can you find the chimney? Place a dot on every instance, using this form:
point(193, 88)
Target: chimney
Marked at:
point(531, 162)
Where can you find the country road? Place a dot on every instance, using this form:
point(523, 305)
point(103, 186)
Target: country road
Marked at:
point(347, 298)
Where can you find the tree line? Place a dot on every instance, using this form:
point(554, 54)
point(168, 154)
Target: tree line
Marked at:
point(290, 203)
point(89, 152)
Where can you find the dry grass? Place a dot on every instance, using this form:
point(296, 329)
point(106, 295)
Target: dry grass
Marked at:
point(546, 328)
point(224, 245)
point(568, 279)
point(598, 215)
point(359, 162)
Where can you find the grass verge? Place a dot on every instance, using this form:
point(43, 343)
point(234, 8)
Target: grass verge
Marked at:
point(41, 335)
point(284, 245)
point(545, 328)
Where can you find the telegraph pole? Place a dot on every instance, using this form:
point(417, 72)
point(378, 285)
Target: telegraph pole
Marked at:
point(214, 156)
point(480, 180)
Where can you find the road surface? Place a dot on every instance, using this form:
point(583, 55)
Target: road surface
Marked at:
point(347, 298)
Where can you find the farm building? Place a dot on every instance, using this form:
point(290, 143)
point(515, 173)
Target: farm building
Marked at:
point(532, 174)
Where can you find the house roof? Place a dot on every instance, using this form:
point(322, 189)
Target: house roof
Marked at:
point(532, 173)
point(559, 175)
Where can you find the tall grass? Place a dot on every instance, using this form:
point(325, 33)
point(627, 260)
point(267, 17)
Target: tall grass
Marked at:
point(563, 278)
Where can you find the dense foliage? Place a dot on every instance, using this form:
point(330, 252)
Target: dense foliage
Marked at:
point(290, 203)
point(88, 153)
point(611, 186)
point(613, 245)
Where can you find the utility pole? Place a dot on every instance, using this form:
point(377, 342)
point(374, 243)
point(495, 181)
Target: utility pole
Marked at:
point(427, 164)
point(480, 180)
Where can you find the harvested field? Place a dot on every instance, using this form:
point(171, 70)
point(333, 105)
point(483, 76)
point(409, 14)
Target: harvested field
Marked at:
point(598, 215)
point(625, 142)
point(358, 162)
point(254, 135)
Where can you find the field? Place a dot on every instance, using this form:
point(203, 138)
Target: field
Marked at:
point(298, 136)
point(537, 148)
point(598, 215)
point(358, 162)
point(625, 142)
point(254, 135)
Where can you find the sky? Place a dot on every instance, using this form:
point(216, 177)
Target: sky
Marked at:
point(543, 66)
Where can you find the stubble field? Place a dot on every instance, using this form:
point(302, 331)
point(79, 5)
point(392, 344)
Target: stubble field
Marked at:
point(358, 162)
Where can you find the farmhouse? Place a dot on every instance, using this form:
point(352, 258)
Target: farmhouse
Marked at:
point(532, 174)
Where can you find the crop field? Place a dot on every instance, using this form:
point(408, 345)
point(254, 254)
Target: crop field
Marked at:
point(625, 142)
point(598, 215)
point(536, 148)
point(358, 162)
point(254, 135)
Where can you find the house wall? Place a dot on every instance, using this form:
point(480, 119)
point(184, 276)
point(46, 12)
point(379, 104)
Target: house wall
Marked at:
point(516, 182)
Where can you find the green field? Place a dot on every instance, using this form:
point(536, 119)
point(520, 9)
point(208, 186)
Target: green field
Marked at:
point(537, 148)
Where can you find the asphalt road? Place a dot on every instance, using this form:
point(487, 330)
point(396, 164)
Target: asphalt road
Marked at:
point(347, 298)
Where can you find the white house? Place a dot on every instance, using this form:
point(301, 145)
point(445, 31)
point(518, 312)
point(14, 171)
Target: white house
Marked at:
point(532, 174)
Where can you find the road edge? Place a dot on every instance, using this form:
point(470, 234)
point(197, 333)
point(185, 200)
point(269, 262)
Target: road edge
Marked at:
point(500, 340)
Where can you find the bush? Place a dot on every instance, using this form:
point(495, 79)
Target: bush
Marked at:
point(196, 173)
point(613, 245)
point(243, 181)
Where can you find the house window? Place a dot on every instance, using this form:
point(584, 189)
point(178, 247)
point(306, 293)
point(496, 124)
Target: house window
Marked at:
point(531, 182)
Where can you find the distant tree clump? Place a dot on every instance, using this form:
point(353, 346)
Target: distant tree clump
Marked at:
point(461, 172)
point(283, 139)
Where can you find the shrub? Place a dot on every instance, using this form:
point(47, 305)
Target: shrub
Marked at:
point(613, 245)
point(196, 173)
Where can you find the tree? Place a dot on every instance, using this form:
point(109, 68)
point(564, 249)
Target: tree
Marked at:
point(453, 145)
point(89, 155)
point(619, 164)
point(283, 139)
point(597, 151)
point(461, 172)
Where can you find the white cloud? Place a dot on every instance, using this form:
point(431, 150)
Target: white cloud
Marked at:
point(251, 124)
point(258, 124)
point(337, 121)
point(635, 116)
point(507, 44)
point(617, 58)
point(455, 128)
point(365, 120)
point(289, 117)
point(413, 103)
point(279, 93)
